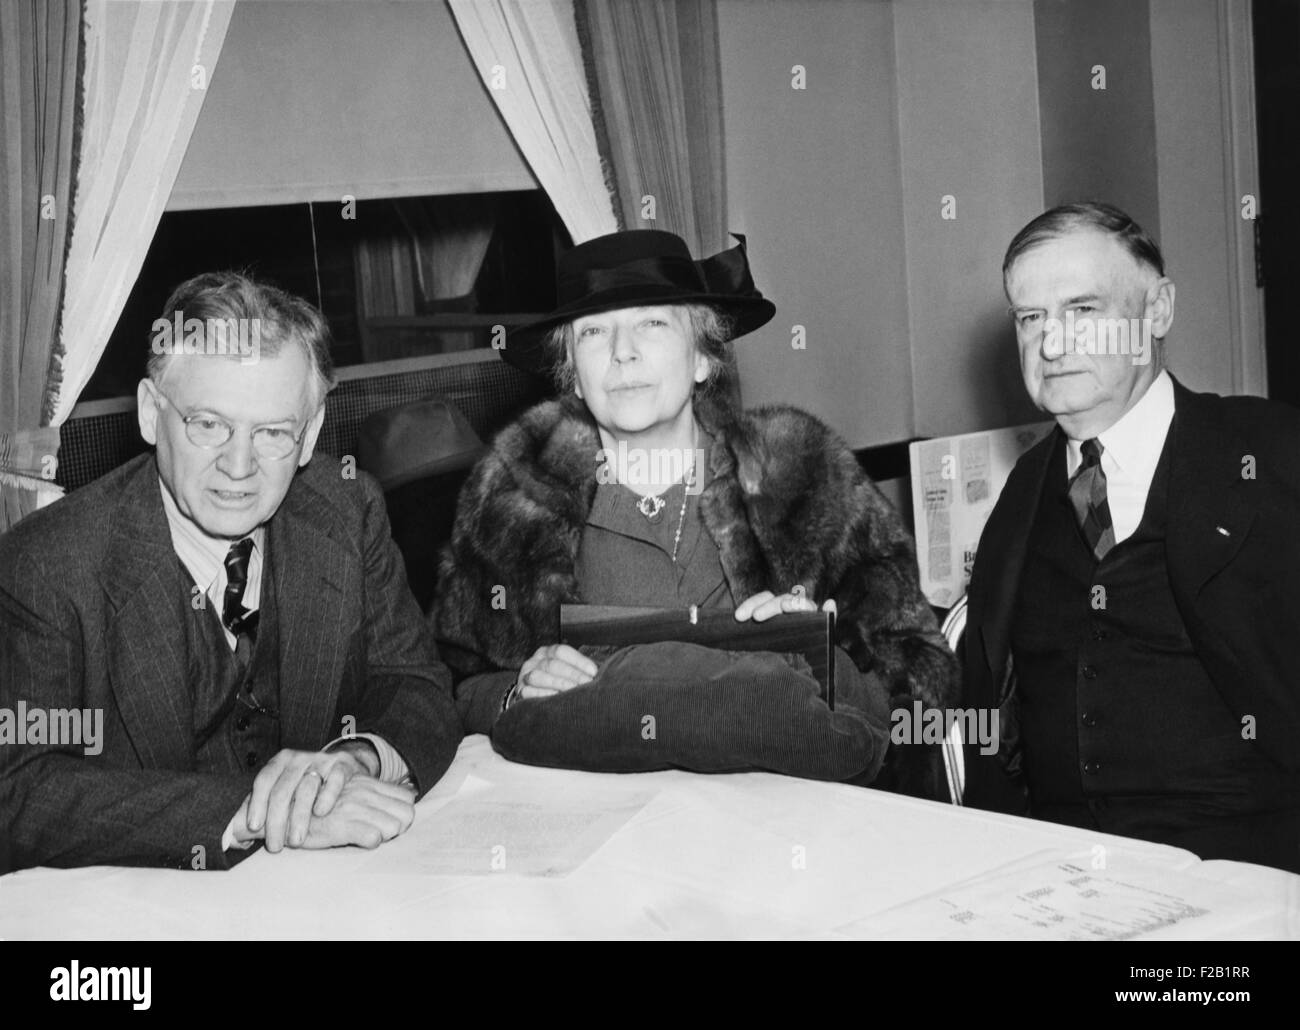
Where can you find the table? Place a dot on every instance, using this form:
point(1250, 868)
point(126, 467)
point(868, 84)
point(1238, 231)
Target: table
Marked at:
point(670, 855)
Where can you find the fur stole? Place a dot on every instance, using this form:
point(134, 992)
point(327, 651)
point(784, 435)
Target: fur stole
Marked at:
point(787, 504)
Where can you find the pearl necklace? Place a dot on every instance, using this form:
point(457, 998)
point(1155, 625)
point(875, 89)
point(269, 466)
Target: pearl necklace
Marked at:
point(687, 481)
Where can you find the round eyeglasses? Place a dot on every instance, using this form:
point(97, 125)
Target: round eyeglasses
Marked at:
point(274, 443)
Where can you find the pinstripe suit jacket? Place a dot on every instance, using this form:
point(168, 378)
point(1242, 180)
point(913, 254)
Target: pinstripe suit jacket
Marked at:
point(92, 608)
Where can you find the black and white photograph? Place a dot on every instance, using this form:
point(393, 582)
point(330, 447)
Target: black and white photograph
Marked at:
point(650, 470)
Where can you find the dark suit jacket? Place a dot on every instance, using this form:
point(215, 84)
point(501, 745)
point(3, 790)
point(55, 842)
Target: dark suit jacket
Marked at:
point(1233, 554)
point(92, 608)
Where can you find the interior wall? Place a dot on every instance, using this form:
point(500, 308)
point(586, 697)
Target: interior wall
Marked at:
point(907, 330)
point(972, 176)
point(813, 178)
point(313, 100)
point(1152, 142)
point(1199, 198)
point(993, 106)
point(1098, 143)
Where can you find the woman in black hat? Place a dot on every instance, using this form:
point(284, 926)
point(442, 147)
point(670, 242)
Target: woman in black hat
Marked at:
point(642, 486)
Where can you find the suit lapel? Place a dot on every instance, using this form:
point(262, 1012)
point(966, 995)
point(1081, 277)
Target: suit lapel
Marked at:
point(1008, 535)
point(318, 593)
point(1212, 511)
point(149, 598)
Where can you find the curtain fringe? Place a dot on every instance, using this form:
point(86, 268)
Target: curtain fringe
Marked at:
point(603, 150)
point(54, 369)
point(34, 484)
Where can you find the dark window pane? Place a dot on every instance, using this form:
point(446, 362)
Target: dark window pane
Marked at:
point(404, 277)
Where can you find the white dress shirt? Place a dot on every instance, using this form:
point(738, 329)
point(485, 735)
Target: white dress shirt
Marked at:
point(1130, 452)
point(204, 557)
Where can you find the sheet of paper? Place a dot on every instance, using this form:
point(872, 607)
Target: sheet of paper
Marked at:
point(955, 483)
point(504, 832)
point(1055, 898)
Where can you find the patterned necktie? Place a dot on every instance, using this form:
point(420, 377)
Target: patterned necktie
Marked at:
point(233, 614)
point(1088, 496)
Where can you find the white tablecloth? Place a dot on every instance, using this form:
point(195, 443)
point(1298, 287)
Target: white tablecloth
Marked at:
point(505, 850)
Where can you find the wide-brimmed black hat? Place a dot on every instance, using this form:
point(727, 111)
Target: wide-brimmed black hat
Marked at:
point(639, 268)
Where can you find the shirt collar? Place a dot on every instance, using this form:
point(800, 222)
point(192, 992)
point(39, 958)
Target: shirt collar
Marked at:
point(202, 555)
point(1136, 440)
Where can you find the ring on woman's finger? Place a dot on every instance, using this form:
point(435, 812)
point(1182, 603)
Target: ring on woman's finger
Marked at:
point(313, 772)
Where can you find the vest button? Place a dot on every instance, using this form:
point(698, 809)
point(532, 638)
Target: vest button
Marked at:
point(1098, 633)
point(1092, 768)
point(241, 723)
point(1089, 672)
point(250, 759)
point(1089, 719)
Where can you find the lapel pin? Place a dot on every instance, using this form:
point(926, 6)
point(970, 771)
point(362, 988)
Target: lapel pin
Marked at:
point(1223, 531)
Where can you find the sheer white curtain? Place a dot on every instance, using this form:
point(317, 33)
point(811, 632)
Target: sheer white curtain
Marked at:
point(39, 56)
point(147, 66)
point(527, 54)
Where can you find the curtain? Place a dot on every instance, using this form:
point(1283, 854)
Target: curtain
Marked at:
point(657, 85)
point(656, 82)
point(529, 58)
point(423, 254)
point(147, 69)
point(39, 53)
point(420, 259)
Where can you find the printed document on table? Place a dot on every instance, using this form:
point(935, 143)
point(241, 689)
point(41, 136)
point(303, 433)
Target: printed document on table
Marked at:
point(1050, 897)
point(508, 832)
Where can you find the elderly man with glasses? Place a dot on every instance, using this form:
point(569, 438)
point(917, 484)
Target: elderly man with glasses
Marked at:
point(232, 615)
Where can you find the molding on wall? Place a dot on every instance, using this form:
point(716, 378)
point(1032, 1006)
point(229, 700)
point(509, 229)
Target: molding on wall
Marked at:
point(1203, 71)
point(1241, 172)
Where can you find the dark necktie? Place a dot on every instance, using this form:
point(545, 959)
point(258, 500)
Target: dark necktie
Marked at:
point(234, 616)
point(1088, 497)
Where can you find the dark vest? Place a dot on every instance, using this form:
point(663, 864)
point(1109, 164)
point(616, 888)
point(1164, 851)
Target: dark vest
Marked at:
point(1122, 728)
point(236, 694)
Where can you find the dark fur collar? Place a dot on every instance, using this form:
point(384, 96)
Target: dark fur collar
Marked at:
point(787, 505)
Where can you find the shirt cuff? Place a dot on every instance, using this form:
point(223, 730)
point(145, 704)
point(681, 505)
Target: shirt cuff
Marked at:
point(392, 767)
point(228, 842)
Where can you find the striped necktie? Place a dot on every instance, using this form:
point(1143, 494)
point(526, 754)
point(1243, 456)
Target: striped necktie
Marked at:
point(1088, 497)
point(234, 616)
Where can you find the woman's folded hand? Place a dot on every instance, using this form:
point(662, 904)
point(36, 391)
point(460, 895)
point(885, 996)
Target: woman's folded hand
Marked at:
point(552, 669)
point(763, 606)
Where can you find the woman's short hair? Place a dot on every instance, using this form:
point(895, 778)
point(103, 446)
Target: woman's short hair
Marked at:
point(1067, 218)
point(281, 318)
point(710, 328)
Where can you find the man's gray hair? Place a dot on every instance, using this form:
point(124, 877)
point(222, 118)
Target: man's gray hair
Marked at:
point(1092, 214)
point(283, 319)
